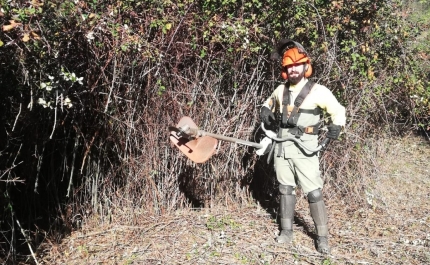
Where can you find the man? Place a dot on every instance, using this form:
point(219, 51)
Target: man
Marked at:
point(299, 103)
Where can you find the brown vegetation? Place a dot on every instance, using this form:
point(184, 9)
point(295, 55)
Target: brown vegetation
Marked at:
point(392, 229)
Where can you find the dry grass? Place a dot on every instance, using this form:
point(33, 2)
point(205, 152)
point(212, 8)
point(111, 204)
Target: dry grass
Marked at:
point(393, 229)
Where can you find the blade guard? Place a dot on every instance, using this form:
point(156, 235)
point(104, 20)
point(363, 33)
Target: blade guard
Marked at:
point(198, 150)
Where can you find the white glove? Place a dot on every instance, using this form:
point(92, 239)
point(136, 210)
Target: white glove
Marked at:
point(270, 134)
point(266, 142)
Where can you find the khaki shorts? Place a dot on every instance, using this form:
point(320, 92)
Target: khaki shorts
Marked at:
point(303, 172)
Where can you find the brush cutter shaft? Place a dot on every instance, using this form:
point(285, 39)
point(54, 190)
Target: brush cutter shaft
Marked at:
point(232, 140)
point(188, 132)
point(296, 140)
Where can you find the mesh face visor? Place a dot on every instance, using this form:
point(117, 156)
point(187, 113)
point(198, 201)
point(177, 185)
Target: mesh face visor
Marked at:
point(284, 45)
point(293, 44)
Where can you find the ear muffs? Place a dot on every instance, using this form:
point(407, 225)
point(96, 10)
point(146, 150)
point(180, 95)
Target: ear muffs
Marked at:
point(284, 74)
point(308, 71)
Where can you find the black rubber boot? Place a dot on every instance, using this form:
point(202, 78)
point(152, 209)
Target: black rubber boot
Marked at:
point(319, 215)
point(286, 236)
point(322, 245)
point(287, 205)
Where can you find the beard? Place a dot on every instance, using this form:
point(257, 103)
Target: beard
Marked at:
point(294, 80)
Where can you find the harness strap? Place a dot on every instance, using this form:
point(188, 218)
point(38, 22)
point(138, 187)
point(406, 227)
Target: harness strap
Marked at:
point(290, 115)
point(316, 111)
point(298, 131)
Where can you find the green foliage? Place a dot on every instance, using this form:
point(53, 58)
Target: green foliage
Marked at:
point(214, 223)
point(327, 261)
point(418, 62)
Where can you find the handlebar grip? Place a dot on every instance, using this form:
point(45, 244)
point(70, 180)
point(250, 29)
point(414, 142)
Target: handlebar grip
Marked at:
point(325, 142)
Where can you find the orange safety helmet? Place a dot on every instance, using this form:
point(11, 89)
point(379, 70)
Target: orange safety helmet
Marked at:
point(291, 52)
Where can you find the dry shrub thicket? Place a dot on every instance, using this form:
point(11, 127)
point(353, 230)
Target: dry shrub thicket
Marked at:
point(144, 66)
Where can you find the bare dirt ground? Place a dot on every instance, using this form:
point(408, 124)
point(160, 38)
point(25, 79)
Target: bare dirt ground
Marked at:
point(393, 229)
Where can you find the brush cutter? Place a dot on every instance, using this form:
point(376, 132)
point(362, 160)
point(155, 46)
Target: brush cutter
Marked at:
point(199, 145)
